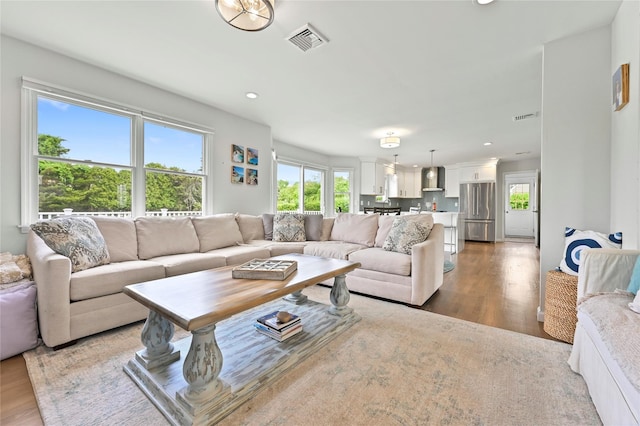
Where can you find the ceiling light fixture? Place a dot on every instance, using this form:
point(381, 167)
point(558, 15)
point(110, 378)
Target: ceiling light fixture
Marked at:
point(395, 162)
point(390, 141)
point(251, 95)
point(488, 143)
point(247, 15)
point(483, 2)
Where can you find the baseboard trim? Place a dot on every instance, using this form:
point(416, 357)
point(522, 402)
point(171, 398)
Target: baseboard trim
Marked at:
point(540, 314)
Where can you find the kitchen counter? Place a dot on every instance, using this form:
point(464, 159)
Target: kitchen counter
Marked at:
point(453, 230)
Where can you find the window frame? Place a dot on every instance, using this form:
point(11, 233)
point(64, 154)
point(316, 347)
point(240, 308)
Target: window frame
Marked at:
point(33, 89)
point(312, 167)
point(350, 172)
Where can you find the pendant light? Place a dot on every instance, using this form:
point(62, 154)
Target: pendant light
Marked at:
point(390, 141)
point(431, 174)
point(395, 162)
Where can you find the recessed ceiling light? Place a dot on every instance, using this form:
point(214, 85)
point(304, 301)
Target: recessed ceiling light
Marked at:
point(415, 165)
point(251, 95)
point(482, 2)
point(488, 143)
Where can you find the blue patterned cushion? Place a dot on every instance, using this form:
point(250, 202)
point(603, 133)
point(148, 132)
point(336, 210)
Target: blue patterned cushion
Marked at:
point(288, 227)
point(577, 240)
point(407, 231)
point(77, 238)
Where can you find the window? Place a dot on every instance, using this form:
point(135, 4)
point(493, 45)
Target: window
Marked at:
point(292, 195)
point(342, 191)
point(519, 196)
point(85, 156)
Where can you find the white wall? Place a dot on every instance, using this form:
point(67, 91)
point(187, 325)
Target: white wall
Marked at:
point(20, 59)
point(576, 129)
point(625, 146)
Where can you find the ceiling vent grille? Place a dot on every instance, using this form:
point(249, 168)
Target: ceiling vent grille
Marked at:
point(307, 38)
point(525, 116)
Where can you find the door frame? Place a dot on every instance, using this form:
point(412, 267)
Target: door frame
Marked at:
point(532, 176)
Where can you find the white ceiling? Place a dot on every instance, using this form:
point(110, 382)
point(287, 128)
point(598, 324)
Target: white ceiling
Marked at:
point(444, 75)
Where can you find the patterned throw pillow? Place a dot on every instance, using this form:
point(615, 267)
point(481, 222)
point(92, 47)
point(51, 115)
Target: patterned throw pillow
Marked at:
point(77, 238)
point(288, 227)
point(577, 240)
point(407, 231)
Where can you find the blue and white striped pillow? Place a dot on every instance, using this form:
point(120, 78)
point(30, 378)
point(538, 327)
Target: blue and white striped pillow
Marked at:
point(576, 240)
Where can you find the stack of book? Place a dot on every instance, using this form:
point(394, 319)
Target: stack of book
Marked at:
point(270, 326)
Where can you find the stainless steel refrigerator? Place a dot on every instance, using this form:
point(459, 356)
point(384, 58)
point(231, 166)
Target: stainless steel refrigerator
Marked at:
point(478, 203)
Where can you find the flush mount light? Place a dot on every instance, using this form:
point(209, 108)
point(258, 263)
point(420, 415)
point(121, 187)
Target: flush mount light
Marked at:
point(390, 141)
point(251, 95)
point(246, 15)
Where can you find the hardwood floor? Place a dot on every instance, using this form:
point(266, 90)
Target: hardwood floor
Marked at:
point(492, 284)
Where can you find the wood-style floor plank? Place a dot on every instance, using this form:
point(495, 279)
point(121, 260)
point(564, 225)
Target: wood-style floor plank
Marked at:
point(492, 284)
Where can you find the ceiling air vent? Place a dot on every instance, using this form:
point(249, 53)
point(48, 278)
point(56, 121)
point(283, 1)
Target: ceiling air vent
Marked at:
point(307, 38)
point(525, 116)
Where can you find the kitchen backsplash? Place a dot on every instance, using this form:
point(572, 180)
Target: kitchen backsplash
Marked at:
point(442, 203)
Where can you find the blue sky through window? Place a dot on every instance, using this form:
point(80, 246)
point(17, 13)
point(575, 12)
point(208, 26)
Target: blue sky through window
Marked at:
point(105, 137)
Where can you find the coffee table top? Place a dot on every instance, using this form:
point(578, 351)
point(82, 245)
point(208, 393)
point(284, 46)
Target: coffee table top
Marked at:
point(197, 299)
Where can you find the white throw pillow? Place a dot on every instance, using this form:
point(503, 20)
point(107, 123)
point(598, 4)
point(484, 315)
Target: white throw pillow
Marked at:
point(577, 240)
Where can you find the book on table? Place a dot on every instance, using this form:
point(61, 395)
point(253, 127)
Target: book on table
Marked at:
point(270, 326)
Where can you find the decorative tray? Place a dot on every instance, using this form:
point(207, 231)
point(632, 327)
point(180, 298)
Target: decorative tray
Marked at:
point(265, 269)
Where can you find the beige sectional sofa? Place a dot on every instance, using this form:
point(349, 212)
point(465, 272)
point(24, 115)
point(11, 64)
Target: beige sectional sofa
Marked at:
point(72, 305)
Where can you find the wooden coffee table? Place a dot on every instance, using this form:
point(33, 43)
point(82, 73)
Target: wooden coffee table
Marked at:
point(196, 302)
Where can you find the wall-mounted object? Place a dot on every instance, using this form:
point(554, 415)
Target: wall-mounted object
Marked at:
point(237, 174)
point(252, 177)
point(620, 85)
point(237, 153)
point(252, 156)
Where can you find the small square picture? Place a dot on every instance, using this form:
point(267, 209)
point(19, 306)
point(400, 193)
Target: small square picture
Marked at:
point(237, 153)
point(237, 174)
point(252, 177)
point(252, 156)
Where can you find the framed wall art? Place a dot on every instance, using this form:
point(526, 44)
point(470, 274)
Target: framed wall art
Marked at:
point(252, 177)
point(252, 156)
point(237, 174)
point(620, 86)
point(237, 153)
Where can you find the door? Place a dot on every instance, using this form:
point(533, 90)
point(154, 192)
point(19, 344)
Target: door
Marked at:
point(520, 205)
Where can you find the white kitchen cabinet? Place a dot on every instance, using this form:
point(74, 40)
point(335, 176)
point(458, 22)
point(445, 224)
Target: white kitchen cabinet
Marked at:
point(372, 180)
point(484, 172)
point(451, 181)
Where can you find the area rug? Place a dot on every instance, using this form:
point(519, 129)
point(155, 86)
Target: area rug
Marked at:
point(397, 366)
point(448, 266)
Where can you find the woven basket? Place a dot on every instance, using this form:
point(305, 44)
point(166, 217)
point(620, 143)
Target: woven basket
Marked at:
point(560, 305)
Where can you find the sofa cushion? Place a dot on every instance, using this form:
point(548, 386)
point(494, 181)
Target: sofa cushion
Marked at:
point(407, 231)
point(251, 227)
point(159, 236)
point(289, 227)
point(220, 230)
point(177, 264)
point(355, 228)
point(267, 225)
point(111, 279)
point(277, 249)
point(378, 259)
point(313, 226)
point(576, 240)
point(384, 226)
point(327, 227)
point(77, 238)
point(120, 236)
point(332, 249)
point(18, 319)
point(239, 254)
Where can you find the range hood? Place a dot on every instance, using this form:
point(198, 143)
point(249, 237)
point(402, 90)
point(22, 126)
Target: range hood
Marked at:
point(433, 183)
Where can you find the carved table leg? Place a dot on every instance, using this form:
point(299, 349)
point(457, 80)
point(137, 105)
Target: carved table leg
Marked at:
point(156, 338)
point(202, 365)
point(296, 298)
point(339, 297)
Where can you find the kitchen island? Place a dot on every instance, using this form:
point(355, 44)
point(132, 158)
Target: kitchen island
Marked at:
point(453, 230)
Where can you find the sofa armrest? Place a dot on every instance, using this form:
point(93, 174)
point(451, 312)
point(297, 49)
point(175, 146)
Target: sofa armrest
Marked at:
point(427, 265)
point(52, 274)
point(604, 270)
